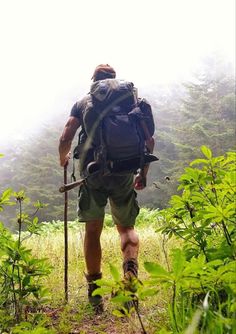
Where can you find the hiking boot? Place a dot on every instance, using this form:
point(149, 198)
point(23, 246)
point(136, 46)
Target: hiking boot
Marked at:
point(130, 268)
point(95, 301)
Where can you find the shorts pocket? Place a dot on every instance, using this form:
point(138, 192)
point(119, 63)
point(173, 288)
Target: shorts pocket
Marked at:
point(83, 198)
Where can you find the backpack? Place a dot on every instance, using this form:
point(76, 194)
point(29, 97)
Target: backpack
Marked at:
point(112, 138)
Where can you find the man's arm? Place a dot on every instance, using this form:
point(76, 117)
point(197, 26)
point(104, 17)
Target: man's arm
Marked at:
point(66, 139)
point(140, 178)
point(148, 130)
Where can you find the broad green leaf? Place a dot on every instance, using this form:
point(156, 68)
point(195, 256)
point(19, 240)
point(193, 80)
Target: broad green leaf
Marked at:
point(178, 262)
point(217, 160)
point(206, 151)
point(26, 281)
point(148, 292)
point(151, 282)
point(233, 307)
point(230, 208)
point(2, 252)
point(199, 161)
point(35, 220)
point(103, 282)
point(121, 299)
point(155, 269)
point(102, 291)
point(44, 292)
point(39, 205)
point(217, 212)
point(214, 217)
point(6, 194)
point(115, 272)
point(5, 198)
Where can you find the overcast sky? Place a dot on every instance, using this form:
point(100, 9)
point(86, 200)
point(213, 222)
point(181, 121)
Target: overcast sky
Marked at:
point(49, 48)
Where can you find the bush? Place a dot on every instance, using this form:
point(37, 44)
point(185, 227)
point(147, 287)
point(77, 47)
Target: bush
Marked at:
point(20, 273)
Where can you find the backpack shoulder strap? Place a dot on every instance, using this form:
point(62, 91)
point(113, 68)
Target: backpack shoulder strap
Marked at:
point(147, 115)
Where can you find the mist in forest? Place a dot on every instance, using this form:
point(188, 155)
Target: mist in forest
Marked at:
point(50, 50)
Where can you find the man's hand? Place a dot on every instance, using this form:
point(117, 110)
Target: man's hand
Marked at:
point(66, 140)
point(139, 182)
point(64, 161)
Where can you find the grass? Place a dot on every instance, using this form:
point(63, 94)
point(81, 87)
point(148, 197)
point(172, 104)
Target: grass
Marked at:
point(77, 316)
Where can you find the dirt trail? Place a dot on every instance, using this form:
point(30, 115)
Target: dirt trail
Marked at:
point(83, 321)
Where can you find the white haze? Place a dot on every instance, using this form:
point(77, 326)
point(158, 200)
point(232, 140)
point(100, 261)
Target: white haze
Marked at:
point(49, 49)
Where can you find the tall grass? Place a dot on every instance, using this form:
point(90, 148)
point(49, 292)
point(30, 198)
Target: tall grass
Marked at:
point(50, 244)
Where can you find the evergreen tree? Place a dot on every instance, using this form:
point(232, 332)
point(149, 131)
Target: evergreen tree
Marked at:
point(208, 111)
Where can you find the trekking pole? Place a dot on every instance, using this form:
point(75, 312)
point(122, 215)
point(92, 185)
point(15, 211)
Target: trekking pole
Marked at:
point(65, 237)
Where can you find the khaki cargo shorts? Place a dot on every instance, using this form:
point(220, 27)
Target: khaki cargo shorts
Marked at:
point(118, 189)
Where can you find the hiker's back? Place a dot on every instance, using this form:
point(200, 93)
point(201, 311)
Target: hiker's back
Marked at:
point(111, 127)
point(108, 122)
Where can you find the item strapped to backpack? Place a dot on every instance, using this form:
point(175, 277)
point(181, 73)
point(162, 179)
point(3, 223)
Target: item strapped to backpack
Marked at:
point(115, 126)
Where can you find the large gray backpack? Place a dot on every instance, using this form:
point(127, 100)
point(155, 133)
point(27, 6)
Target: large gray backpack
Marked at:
point(111, 122)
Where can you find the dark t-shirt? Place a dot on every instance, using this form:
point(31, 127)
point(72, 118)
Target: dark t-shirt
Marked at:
point(85, 156)
point(78, 108)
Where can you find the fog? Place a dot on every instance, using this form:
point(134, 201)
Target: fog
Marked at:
point(50, 49)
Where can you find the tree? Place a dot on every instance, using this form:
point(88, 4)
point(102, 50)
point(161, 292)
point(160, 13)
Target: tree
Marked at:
point(208, 111)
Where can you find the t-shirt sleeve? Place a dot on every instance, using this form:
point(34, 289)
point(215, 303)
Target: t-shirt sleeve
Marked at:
point(76, 110)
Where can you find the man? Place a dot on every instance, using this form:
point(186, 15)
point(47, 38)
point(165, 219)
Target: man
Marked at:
point(93, 196)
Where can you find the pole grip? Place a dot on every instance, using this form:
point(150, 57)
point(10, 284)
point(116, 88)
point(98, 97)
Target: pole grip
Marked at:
point(69, 186)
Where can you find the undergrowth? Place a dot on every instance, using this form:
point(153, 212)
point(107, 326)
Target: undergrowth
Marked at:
point(186, 265)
